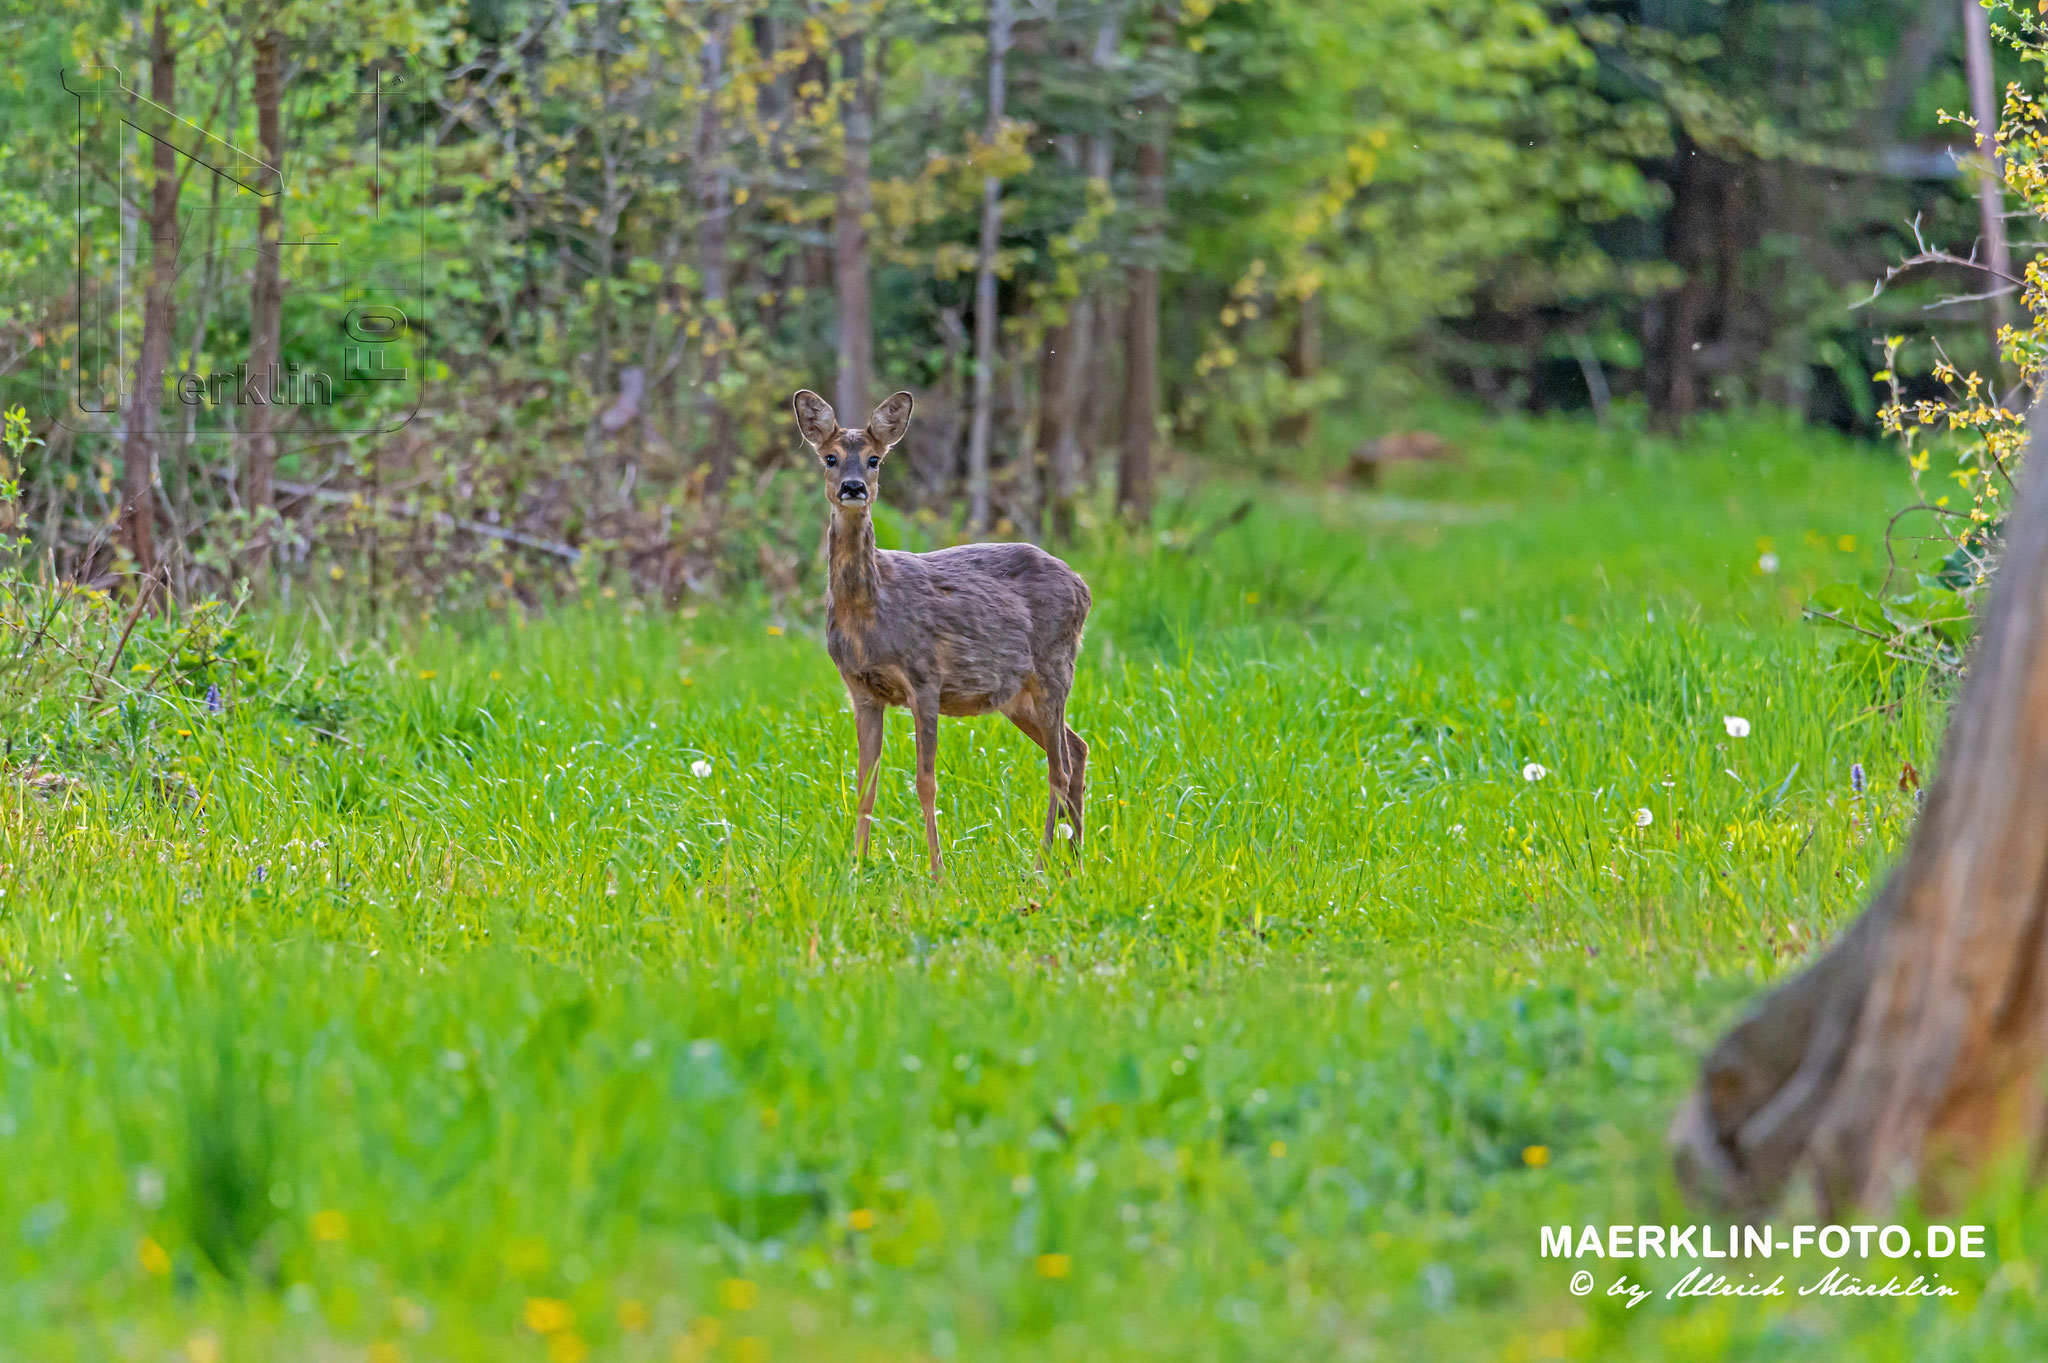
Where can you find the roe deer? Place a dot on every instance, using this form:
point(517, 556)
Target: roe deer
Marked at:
point(960, 631)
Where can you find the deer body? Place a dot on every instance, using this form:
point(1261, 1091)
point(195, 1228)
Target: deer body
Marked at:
point(971, 630)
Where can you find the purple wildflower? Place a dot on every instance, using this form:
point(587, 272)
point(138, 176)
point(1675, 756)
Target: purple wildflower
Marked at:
point(1856, 777)
point(214, 704)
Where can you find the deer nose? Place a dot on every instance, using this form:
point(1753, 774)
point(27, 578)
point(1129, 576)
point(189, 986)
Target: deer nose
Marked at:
point(853, 489)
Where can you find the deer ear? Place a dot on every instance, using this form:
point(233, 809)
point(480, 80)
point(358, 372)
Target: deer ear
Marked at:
point(814, 417)
point(890, 420)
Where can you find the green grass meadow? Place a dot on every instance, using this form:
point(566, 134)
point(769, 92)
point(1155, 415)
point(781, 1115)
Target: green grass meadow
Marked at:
point(473, 1023)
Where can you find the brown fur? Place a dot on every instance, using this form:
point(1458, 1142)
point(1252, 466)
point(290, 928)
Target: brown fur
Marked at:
point(970, 630)
point(1402, 447)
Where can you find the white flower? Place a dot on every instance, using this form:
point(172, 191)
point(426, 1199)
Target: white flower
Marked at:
point(1535, 771)
point(1736, 725)
point(1767, 563)
point(1457, 830)
point(700, 768)
point(1066, 830)
point(1644, 818)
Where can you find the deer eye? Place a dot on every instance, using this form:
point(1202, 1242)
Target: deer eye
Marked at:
point(831, 461)
point(874, 461)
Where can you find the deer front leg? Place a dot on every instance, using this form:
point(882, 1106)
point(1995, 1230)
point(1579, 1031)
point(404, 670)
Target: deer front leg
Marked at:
point(925, 710)
point(867, 728)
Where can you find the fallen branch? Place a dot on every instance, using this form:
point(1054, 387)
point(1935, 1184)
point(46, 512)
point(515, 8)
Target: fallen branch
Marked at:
point(538, 544)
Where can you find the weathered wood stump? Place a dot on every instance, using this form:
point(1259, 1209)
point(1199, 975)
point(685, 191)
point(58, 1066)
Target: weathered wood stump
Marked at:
point(1915, 1045)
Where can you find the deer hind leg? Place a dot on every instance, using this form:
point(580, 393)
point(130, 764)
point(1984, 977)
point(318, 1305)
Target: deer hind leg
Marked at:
point(925, 711)
point(1029, 717)
point(1077, 784)
point(867, 726)
point(1054, 714)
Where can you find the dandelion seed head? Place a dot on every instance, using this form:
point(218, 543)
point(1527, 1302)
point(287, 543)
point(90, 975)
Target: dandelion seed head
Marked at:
point(1535, 771)
point(1736, 725)
point(701, 768)
point(1644, 818)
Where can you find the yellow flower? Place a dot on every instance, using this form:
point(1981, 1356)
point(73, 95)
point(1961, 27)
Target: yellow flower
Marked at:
point(203, 1349)
point(1055, 1265)
point(567, 1347)
point(1536, 1156)
point(775, 629)
point(384, 1351)
point(156, 1261)
point(1278, 1149)
point(330, 1226)
point(751, 1349)
point(427, 675)
point(860, 1218)
point(632, 1315)
point(547, 1315)
point(1847, 544)
point(737, 1294)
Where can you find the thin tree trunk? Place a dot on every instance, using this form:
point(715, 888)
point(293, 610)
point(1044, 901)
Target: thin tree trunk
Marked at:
point(1673, 382)
point(138, 449)
point(1094, 336)
point(266, 307)
point(1914, 1047)
point(1141, 321)
point(1102, 386)
point(1985, 106)
point(1304, 362)
point(1075, 404)
point(1057, 377)
point(714, 201)
point(999, 24)
point(850, 235)
point(1922, 43)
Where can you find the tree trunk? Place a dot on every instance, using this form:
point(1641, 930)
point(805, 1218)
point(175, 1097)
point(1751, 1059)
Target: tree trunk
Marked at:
point(1304, 362)
point(1986, 106)
point(1055, 413)
point(1134, 473)
point(266, 306)
point(138, 448)
point(714, 201)
point(999, 23)
point(1688, 231)
point(1101, 385)
point(1915, 1045)
point(1919, 47)
point(1060, 379)
point(850, 244)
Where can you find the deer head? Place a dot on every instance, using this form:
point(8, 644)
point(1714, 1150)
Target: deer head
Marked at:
point(852, 460)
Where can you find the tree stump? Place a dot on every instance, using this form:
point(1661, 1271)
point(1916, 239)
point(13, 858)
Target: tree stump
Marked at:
point(1914, 1047)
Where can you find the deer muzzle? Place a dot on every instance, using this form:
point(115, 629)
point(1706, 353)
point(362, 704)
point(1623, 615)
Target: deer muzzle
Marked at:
point(853, 490)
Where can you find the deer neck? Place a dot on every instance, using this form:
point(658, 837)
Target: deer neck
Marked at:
point(855, 578)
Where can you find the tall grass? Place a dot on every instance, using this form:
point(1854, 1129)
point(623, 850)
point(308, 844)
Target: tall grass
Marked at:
point(450, 1014)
